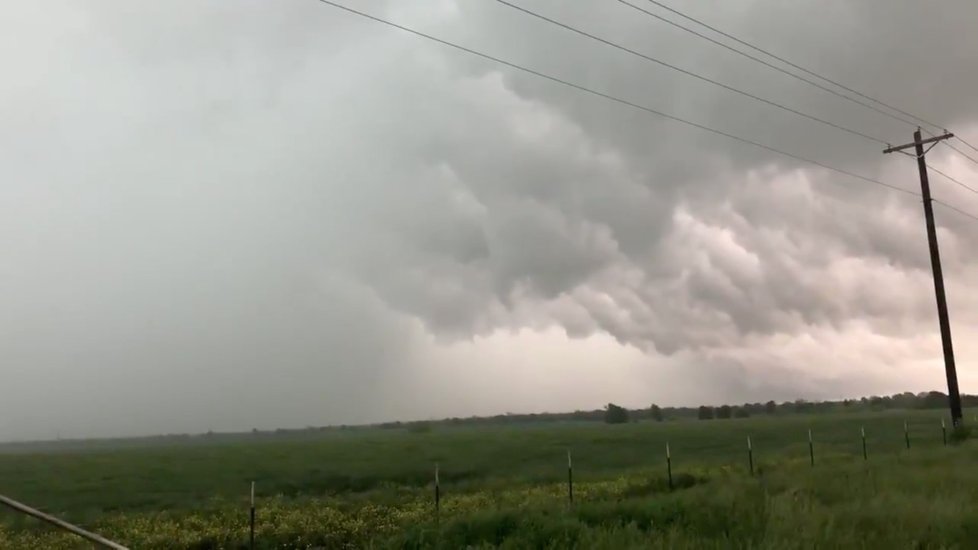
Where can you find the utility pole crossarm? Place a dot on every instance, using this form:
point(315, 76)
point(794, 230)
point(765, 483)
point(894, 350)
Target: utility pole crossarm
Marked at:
point(947, 135)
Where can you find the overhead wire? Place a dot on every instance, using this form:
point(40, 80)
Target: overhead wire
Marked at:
point(954, 208)
point(972, 147)
point(615, 98)
point(938, 171)
point(628, 103)
point(649, 58)
point(692, 74)
point(952, 179)
point(730, 88)
point(918, 120)
point(960, 152)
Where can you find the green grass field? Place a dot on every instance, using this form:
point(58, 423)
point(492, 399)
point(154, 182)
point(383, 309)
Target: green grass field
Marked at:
point(506, 486)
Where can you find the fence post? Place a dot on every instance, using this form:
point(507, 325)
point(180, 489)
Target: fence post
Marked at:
point(811, 447)
point(570, 478)
point(944, 431)
point(750, 456)
point(906, 433)
point(669, 465)
point(862, 431)
point(437, 492)
point(251, 538)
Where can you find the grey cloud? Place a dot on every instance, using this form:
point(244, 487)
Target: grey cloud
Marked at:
point(279, 202)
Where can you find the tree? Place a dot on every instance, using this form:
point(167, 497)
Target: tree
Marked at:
point(802, 406)
point(770, 407)
point(724, 412)
point(417, 427)
point(656, 413)
point(614, 414)
point(905, 400)
point(934, 400)
point(705, 413)
point(741, 412)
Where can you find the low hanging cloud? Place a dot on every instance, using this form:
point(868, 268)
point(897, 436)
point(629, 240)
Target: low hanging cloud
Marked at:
point(275, 214)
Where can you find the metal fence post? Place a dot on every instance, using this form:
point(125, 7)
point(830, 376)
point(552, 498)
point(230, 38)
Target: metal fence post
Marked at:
point(750, 456)
point(811, 447)
point(251, 539)
point(862, 431)
point(669, 465)
point(570, 478)
point(437, 492)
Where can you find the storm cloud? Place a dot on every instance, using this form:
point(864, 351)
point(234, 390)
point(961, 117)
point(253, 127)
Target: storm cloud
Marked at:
point(259, 214)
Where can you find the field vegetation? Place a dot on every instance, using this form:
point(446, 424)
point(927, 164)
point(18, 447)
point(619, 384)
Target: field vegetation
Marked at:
point(505, 485)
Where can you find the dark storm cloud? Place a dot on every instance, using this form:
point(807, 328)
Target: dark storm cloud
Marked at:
point(783, 262)
point(276, 213)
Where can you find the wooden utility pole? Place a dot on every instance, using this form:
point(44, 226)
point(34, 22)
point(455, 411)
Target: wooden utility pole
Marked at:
point(954, 397)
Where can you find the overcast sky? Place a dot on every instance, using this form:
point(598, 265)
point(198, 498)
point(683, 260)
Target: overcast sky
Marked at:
point(225, 215)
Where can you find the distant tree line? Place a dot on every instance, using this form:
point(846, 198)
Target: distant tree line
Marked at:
point(615, 414)
point(611, 414)
point(906, 400)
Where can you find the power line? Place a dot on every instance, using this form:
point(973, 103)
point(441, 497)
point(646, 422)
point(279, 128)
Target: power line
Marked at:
point(636, 106)
point(969, 188)
point(956, 209)
point(962, 153)
point(616, 99)
point(973, 148)
point(803, 69)
point(942, 173)
point(785, 61)
point(692, 74)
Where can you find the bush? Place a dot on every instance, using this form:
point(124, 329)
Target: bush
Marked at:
point(615, 414)
point(419, 427)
